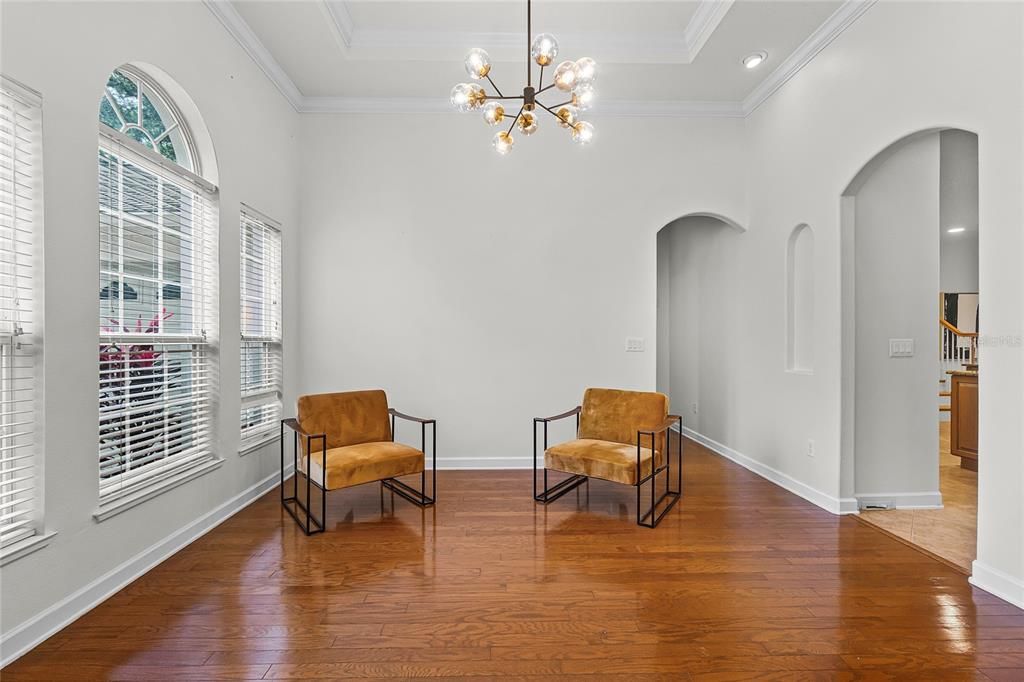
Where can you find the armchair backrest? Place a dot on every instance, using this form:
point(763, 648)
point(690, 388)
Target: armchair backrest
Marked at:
point(348, 418)
point(614, 415)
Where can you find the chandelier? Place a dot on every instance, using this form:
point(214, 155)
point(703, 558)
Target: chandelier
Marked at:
point(572, 79)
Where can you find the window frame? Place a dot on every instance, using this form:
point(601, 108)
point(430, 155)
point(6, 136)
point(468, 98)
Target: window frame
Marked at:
point(27, 327)
point(121, 492)
point(271, 397)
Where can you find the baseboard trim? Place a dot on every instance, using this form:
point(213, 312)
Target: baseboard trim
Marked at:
point(32, 632)
point(830, 504)
point(929, 500)
point(848, 505)
point(997, 583)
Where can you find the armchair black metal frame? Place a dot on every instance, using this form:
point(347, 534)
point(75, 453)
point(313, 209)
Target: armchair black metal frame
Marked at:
point(417, 497)
point(552, 493)
point(674, 495)
point(312, 525)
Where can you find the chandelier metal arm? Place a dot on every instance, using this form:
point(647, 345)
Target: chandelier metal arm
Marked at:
point(496, 88)
point(540, 81)
point(546, 87)
point(506, 97)
point(561, 104)
point(549, 110)
point(516, 118)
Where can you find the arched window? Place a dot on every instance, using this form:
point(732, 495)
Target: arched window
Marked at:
point(800, 300)
point(157, 294)
point(134, 106)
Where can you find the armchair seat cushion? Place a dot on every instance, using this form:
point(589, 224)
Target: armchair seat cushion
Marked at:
point(363, 463)
point(602, 459)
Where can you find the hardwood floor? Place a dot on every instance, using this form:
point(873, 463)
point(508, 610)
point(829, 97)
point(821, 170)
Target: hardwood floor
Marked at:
point(741, 581)
point(950, 532)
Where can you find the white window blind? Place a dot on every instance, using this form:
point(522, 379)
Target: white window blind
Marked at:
point(158, 318)
point(20, 221)
point(262, 354)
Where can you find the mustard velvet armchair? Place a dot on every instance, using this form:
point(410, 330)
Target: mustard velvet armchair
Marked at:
point(346, 439)
point(621, 436)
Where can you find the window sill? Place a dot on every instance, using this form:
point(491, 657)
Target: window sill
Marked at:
point(122, 504)
point(25, 547)
point(252, 444)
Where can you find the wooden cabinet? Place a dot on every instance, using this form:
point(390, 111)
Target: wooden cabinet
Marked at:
point(963, 431)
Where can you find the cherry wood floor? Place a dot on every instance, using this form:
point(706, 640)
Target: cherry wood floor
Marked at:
point(950, 532)
point(741, 581)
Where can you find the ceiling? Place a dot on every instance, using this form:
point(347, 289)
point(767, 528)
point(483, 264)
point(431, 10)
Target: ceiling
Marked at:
point(672, 56)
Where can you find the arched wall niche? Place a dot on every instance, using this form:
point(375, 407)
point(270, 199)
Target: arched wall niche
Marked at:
point(800, 300)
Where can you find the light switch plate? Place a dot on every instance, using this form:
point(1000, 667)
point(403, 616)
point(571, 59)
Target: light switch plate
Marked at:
point(901, 348)
point(634, 344)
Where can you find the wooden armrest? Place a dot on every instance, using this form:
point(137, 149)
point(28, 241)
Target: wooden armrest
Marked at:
point(395, 413)
point(575, 410)
point(671, 420)
point(294, 425)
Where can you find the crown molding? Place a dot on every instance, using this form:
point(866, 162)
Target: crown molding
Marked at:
point(341, 21)
point(705, 20)
point(668, 109)
point(375, 105)
point(254, 47)
point(617, 47)
point(832, 28)
point(437, 105)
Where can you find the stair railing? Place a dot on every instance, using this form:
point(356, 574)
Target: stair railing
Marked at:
point(950, 335)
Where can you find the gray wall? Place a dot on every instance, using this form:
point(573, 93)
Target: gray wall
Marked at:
point(958, 207)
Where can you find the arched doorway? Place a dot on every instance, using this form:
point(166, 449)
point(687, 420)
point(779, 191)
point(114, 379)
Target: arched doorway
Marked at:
point(697, 319)
point(908, 219)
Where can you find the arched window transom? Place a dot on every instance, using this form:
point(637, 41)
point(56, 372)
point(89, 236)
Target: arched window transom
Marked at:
point(134, 106)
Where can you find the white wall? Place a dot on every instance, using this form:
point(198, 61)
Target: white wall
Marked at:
point(486, 290)
point(896, 264)
point(891, 74)
point(66, 51)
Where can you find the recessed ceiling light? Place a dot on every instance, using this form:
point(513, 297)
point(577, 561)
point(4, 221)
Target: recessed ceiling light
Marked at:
point(954, 230)
point(752, 61)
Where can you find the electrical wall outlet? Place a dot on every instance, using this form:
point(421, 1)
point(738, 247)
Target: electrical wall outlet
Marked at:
point(901, 348)
point(810, 448)
point(694, 408)
point(634, 344)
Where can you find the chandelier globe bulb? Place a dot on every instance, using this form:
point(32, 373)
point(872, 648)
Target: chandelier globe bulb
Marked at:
point(503, 142)
point(478, 64)
point(582, 133)
point(544, 49)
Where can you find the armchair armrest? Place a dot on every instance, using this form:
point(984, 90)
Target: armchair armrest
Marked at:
point(575, 410)
point(294, 425)
point(670, 421)
point(421, 420)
